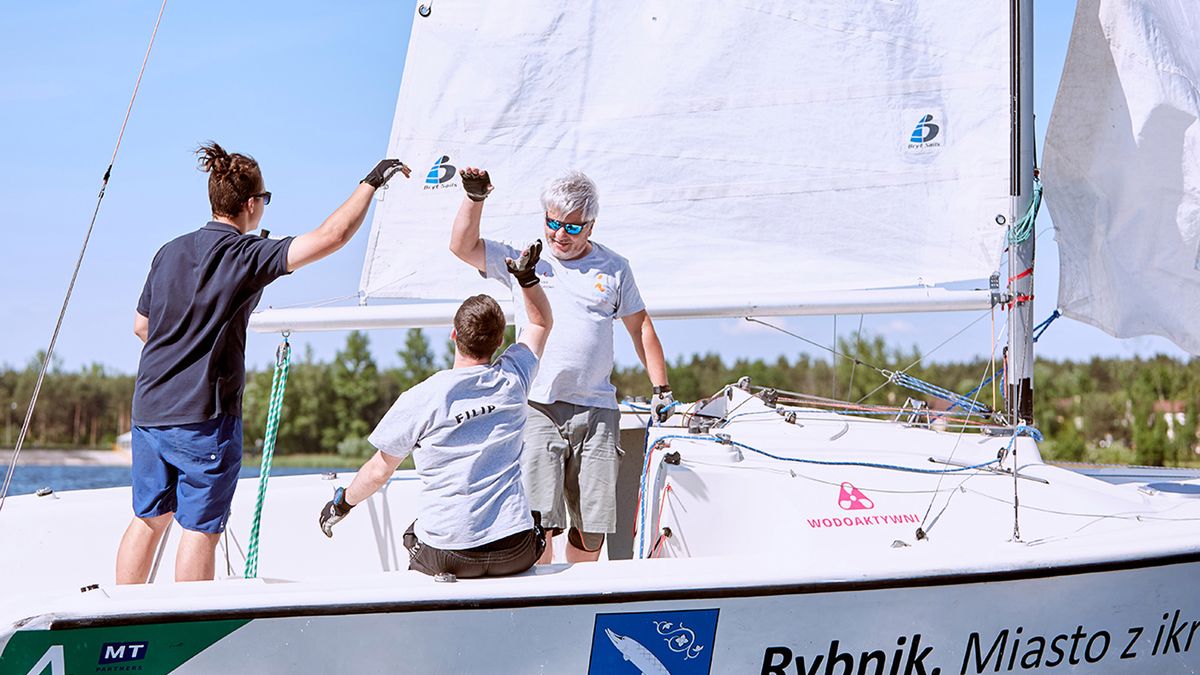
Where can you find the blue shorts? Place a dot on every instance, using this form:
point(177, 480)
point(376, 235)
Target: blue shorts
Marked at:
point(190, 470)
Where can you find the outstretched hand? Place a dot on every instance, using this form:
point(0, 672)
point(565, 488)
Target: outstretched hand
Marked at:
point(476, 182)
point(333, 512)
point(384, 171)
point(525, 268)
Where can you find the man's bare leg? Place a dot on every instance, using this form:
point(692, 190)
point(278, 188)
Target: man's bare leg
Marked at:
point(135, 555)
point(196, 560)
point(577, 555)
point(576, 540)
point(548, 554)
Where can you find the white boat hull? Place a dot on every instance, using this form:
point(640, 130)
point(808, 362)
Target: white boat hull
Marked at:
point(809, 544)
point(1134, 617)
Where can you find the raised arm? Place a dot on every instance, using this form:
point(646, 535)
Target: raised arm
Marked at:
point(537, 306)
point(341, 225)
point(465, 242)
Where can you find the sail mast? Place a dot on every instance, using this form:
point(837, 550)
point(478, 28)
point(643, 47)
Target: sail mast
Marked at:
point(1021, 253)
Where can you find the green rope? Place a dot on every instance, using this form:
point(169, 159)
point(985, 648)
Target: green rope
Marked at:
point(1024, 227)
point(283, 362)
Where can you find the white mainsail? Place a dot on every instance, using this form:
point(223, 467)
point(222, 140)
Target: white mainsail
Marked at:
point(1122, 182)
point(745, 152)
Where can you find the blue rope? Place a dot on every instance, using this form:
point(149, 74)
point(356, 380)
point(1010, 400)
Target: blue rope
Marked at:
point(642, 495)
point(970, 395)
point(918, 385)
point(1041, 327)
point(645, 408)
point(869, 465)
point(1037, 333)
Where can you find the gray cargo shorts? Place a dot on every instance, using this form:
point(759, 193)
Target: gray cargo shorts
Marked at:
point(569, 466)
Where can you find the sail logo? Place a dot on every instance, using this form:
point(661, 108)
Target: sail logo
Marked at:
point(925, 131)
point(441, 174)
point(927, 135)
point(677, 643)
point(852, 499)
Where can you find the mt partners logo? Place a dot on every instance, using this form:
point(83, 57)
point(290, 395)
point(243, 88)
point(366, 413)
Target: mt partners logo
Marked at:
point(441, 175)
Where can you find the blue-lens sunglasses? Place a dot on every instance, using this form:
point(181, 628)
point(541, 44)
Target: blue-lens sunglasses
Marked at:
point(572, 228)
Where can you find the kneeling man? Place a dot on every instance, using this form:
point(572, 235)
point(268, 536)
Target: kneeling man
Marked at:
point(463, 427)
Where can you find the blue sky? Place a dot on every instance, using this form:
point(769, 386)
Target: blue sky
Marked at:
point(308, 89)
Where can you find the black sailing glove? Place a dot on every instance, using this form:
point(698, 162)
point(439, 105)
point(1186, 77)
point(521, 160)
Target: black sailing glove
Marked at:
point(384, 171)
point(663, 403)
point(525, 269)
point(335, 509)
point(476, 182)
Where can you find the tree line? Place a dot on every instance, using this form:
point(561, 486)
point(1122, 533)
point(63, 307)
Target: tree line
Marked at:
point(1136, 411)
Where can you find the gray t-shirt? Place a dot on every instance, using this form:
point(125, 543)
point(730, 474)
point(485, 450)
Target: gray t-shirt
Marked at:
point(586, 294)
point(463, 427)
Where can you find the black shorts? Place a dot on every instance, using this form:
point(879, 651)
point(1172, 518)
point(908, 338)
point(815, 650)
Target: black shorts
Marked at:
point(511, 555)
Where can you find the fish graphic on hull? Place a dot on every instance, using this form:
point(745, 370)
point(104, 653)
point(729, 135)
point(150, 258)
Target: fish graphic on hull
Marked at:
point(637, 654)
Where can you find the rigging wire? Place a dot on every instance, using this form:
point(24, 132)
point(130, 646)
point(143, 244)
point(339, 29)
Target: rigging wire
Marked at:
point(925, 355)
point(833, 370)
point(37, 388)
point(831, 350)
point(857, 347)
point(957, 442)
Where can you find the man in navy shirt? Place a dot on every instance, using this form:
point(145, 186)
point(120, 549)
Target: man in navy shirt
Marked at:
point(192, 316)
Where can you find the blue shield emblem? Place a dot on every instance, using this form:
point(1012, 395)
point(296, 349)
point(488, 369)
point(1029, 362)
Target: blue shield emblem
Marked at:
point(674, 643)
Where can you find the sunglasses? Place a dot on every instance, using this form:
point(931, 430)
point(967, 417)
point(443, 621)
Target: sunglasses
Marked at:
point(266, 197)
point(572, 228)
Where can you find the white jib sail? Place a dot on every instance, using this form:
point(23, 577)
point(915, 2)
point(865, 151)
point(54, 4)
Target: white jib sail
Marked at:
point(1122, 169)
point(744, 152)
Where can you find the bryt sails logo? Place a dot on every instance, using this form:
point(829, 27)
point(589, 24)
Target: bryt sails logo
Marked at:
point(927, 134)
point(925, 131)
point(441, 174)
point(675, 643)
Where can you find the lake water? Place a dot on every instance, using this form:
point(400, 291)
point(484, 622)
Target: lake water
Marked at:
point(30, 478)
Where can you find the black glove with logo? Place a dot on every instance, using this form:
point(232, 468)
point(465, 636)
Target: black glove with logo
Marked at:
point(525, 269)
point(384, 171)
point(476, 182)
point(663, 403)
point(335, 509)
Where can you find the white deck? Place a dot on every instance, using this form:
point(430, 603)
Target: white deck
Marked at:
point(749, 534)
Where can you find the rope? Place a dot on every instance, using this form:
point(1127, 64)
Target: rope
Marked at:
point(661, 508)
point(661, 443)
point(37, 387)
point(820, 462)
point(919, 385)
point(1024, 227)
point(925, 356)
point(1037, 333)
point(1041, 327)
point(283, 363)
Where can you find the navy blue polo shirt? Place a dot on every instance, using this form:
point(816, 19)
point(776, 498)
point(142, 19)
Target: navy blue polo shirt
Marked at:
point(198, 296)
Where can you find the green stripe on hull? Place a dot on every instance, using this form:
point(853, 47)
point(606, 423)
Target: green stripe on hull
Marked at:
point(146, 649)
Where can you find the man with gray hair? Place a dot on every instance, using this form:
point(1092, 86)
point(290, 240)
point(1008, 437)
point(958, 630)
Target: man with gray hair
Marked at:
point(570, 458)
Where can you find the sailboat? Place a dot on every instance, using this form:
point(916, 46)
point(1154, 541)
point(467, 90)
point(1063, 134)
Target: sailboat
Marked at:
point(755, 159)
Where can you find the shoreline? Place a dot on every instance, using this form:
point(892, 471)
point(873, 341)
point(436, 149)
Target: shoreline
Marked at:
point(73, 457)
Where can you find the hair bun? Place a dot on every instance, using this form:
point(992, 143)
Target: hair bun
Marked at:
point(213, 158)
